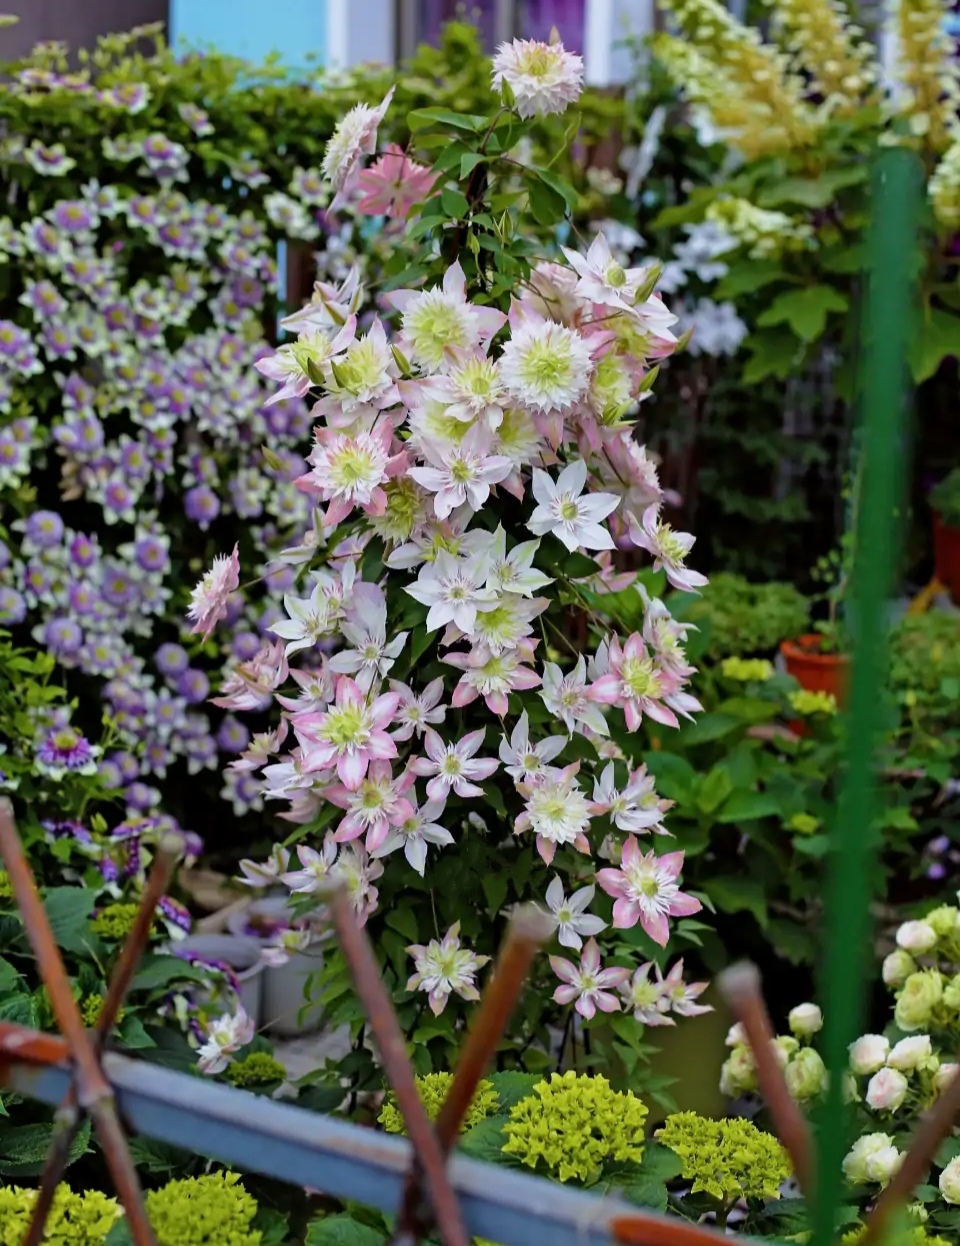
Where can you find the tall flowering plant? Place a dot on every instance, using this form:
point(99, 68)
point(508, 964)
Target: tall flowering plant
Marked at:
point(464, 726)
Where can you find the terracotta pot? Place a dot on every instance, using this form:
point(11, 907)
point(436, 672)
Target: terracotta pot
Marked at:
point(946, 556)
point(814, 671)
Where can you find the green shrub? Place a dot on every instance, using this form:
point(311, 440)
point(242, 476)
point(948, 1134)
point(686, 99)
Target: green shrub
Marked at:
point(741, 619)
point(925, 666)
point(945, 499)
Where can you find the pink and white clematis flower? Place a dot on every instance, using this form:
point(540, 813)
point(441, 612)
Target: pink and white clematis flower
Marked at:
point(300, 365)
point(444, 968)
point(455, 590)
point(350, 734)
point(602, 279)
point(523, 760)
point(208, 601)
point(414, 833)
point(636, 808)
point(461, 475)
point(417, 711)
point(668, 548)
point(376, 805)
point(645, 890)
point(493, 675)
point(630, 679)
point(557, 811)
point(569, 916)
point(224, 1037)
point(315, 867)
point(354, 137)
point(568, 697)
point(440, 321)
point(573, 517)
point(588, 985)
point(453, 767)
point(350, 470)
point(371, 656)
point(393, 184)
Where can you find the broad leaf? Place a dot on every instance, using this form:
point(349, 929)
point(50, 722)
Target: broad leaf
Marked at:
point(805, 311)
point(68, 910)
point(342, 1230)
point(738, 895)
point(512, 1087)
point(748, 806)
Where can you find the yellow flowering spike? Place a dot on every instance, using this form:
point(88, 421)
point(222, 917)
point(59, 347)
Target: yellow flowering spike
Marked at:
point(432, 1089)
point(91, 1007)
point(75, 1219)
point(826, 45)
point(213, 1210)
point(749, 88)
point(574, 1124)
point(728, 1160)
point(927, 72)
point(944, 188)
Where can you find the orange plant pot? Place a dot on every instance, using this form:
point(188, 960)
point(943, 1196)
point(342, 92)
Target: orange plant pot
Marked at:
point(815, 671)
point(946, 556)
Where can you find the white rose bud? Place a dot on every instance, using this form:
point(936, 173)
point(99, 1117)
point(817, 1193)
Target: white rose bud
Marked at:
point(950, 1181)
point(871, 1158)
point(869, 1053)
point(804, 1020)
point(944, 1076)
point(784, 1049)
point(886, 1090)
point(736, 1035)
point(916, 937)
point(911, 1053)
point(897, 967)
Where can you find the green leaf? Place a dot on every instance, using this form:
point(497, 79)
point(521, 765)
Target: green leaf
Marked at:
point(404, 920)
point(160, 971)
point(676, 778)
point(272, 1226)
point(771, 354)
point(546, 205)
point(937, 338)
point(454, 203)
point(748, 806)
point(559, 186)
point(24, 1148)
point(495, 889)
point(423, 118)
point(68, 910)
point(748, 276)
point(469, 162)
point(813, 192)
point(738, 895)
point(485, 1141)
point(706, 727)
point(512, 1087)
point(156, 1157)
point(805, 311)
point(10, 980)
point(342, 1230)
point(133, 1036)
point(714, 790)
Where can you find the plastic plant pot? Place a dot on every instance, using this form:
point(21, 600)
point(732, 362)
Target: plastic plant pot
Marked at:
point(816, 671)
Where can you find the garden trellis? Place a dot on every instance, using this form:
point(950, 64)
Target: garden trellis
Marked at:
point(413, 1179)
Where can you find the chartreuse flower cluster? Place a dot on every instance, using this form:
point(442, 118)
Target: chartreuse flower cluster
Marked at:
point(257, 1069)
point(75, 1219)
point(763, 233)
point(805, 702)
point(729, 1160)
point(115, 921)
point(573, 1125)
point(829, 49)
point(747, 670)
point(433, 1089)
point(6, 887)
point(212, 1210)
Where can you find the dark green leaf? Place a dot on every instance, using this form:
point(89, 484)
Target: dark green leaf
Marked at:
point(69, 909)
point(159, 972)
point(558, 186)
point(423, 118)
point(469, 162)
point(342, 1230)
point(738, 895)
point(512, 1087)
point(23, 1148)
point(747, 807)
point(805, 311)
point(748, 276)
point(454, 203)
point(485, 1141)
point(714, 790)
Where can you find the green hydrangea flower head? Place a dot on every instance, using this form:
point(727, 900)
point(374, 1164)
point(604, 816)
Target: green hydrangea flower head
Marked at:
point(257, 1069)
point(6, 888)
point(91, 1006)
point(574, 1124)
point(728, 1160)
point(115, 921)
point(915, 1235)
point(213, 1210)
point(75, 1219)
point(432, 1089)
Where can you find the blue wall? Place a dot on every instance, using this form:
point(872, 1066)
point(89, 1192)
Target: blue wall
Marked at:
point(253, 28)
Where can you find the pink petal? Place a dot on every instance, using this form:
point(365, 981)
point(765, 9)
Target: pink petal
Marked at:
point(585, 1007)
point(606, 1002)
point(612, 881)
point(672, 862)
point(564, 970)
point(657, 927)
point(566, 994)
point(683, 905)
point(626, 913)
point(351, 768)
point(547, 849)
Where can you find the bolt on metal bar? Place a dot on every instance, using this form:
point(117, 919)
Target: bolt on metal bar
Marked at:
point(345, 1160)
point(68, 1117)
point(93, 1092)
point(887, 335)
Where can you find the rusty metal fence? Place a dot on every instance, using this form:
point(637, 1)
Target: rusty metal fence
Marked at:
point(432, 1192)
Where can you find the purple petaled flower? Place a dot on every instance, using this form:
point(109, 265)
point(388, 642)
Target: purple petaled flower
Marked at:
point(12, 339)
point(67, 749)
point(41, 237)
point(13, 609)
point(108, 869)
point(117, 586)
point(201, 505)
point(44, 529)
point(49, 161)
point(84, 550)
point(196, 119)
point(233, 736)
point(245, 645)
point(67, 830)
point(5, 555)
point(131, 97)
point(134, 461)
point(82, 597)
point(249, 173)
point(57, 341)
point(119, 498)
point(118, 318)
point(37, 579)
point(128, 766)
point(44, 299)
point(171, 659)
point(193, 686)
point(139, 796)
point(110, 774)
point(62, 637)
point(175, 913)
point(151, 553)
point(73, 216)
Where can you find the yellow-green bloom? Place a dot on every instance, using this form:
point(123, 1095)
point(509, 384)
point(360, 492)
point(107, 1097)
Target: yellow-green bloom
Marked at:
point(115, 921)
point(803, 823)
point(213, 1210)
point(918, 997)
point(574, 1124)
point(804, 702)
point(763, 233)
point(432, 1090)
point(6, 889)
point(75, 1219)
point(747, 670)
point(257, 1069)
point(728, 1160)
point(90, 1009)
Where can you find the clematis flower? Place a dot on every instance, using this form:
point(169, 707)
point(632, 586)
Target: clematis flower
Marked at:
point(461, 475)
point(376, 805)
point(668, 548)
point(602, 279)
point(350, 470)
point(524, 761)
point(574, 518)
point(545, 367)
point(493, 675)
point(556, 811)
point(440, 321)
point(225, 1036)
point(587, 983)
point(636, 808)
point(632, 681)
point(567, 696)
point(302, 364)
point(208, 601)
point(543, 77)
point(351, 733)
point(371, 656)
point(414, 833)
point(393, 184)
point(682, 996)
point(454, 590)
point(454, 767)
point(309, 620)
point(570, 918)
point(417, 711)
point(514, 572)
point(354, 137)
point(645, 890)
point(315, 867)
point(356, 871)
point(363, 377)
point(265, 873)
point(444, 968)
point(645, 996)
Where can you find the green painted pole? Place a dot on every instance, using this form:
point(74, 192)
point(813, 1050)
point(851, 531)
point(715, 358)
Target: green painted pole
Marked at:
point(887, 329)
